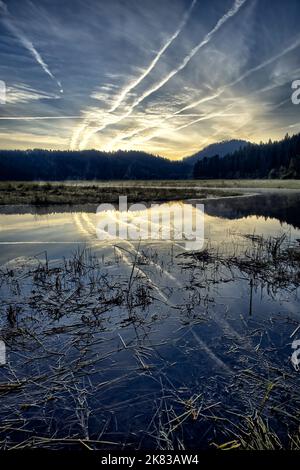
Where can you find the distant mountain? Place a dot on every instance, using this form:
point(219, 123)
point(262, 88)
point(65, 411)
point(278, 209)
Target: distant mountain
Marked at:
point(220, 148)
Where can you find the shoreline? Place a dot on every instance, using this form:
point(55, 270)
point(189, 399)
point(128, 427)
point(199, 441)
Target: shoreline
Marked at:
point(43, 194)
point(66, 194)
point(91, 207)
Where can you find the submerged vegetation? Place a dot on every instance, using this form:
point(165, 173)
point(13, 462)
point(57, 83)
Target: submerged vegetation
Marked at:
point(271, 262)
point(150, 349)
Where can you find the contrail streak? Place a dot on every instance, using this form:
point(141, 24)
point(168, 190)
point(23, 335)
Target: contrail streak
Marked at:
point(212, 97)
point(230, 13)
point(36, 118)
point(136, 82)
point(211, 354)
point(242, 77)
point(204, 118)
point(7, 21)
point(156, 132)
point(237, 5)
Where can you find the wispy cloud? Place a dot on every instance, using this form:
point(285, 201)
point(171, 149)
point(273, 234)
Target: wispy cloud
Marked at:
point(242, 77)
point(36, 118)
point(166, 79)
point(294, 45)
point(22, 93)
point(229, 14)
point(151, 66)
point(134, 83)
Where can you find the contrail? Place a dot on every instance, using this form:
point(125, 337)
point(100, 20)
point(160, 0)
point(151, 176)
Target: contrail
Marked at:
point(236, 7)
point(36, 118)
point(156, 132)
point(204, 118)
point(243, 76)
point(136, 82)
point(230, 13)
point(212, 97)
point(7, 21)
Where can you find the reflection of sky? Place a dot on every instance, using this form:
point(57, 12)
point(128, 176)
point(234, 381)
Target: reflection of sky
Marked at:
point(175, 221)
point(165, 77)
point(61, 233)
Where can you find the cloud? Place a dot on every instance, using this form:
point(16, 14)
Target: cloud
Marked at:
point(216, 95)
point(229, 14)
point(116, 57)
point(22, 93)
point(36, 118)
point(151, 66)
point(133, 84)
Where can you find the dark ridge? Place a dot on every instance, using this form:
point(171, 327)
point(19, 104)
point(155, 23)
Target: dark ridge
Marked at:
point(278, 159)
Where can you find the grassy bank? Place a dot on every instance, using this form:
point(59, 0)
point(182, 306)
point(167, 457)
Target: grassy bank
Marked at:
point(83, 192)
point(263, 184)
point(215, 183)
point(90, 192)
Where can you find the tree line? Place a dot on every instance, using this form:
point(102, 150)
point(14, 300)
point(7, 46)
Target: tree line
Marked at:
point(278, 159)
point(35, 165)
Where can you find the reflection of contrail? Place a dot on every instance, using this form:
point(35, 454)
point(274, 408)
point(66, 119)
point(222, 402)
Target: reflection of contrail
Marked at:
point(233, 10)
point(136, 82)
point(144, 275)
point(110, 215)
point(211, 354)
point(7, 21)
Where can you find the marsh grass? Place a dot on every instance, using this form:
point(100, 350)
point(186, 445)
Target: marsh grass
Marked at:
point(272, 261)
point(67, 324)
point(255, 434)
point(96, 193)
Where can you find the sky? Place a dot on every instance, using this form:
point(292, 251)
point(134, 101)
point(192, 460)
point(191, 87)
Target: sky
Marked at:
point(167, 77)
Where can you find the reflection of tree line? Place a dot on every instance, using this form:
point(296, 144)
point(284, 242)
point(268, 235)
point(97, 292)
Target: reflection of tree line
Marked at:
point(283, 207)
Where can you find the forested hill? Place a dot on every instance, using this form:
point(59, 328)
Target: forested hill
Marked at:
point(272, 160)
point(218, 148)
point(88, 164)
point(279, 159)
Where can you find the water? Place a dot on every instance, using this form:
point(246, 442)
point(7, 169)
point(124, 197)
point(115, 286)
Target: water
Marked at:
point(196, 345)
